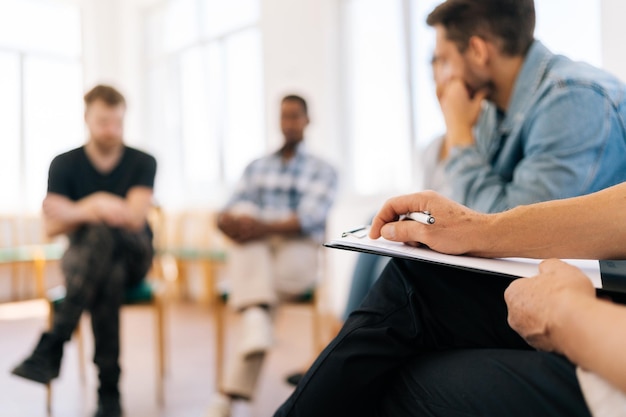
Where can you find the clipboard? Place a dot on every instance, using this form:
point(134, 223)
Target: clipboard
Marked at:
point(606, 276)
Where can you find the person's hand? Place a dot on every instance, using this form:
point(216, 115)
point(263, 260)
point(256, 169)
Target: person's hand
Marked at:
point(460, 109)
point(227, 223)
point(456, 230)
point(249, 228)
point(535, 304)
point(112, 210)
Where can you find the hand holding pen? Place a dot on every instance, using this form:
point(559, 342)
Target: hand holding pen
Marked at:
point(439, 223)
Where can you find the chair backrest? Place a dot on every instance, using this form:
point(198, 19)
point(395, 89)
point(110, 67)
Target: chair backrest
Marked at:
point(29, 230)
point(7, 231)
point(197, 229)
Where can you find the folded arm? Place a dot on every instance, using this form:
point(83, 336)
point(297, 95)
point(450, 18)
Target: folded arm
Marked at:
point(62, 215)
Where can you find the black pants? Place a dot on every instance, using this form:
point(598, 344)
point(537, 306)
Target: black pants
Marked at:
point(100, 263)
point(431, 340)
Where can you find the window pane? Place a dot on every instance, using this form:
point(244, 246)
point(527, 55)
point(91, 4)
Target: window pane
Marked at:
point(243, 138)
point(181, 24)
point(224, 16)
point(164, 131)
point(51, 27)
point(428, 118)
point(378, 119)
point(199, 116)
point(53, 118)
point(10, 132)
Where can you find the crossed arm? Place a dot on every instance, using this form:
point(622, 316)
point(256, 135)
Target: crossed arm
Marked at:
point(557, 310)
point(62, 215)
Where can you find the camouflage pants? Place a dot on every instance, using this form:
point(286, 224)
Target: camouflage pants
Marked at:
point(100, 263)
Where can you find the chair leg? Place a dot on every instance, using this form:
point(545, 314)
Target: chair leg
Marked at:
point(49, 385)
point(160, 346)
point(209, 281)
point(78, 334)
point(220, 316)
point(49, 399)
point(316, 327)
point(181, 281)
point(40, 271)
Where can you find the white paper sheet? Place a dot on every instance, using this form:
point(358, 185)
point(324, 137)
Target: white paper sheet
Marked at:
point(520, 267)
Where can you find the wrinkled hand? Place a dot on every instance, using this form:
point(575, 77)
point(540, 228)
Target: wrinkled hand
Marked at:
point(534, 303)
point(460, 110)
point(456, 230)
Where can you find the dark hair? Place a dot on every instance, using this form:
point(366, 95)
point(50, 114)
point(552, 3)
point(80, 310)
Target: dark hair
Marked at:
point(106, 93)
point(511, 23)
point(297, 99)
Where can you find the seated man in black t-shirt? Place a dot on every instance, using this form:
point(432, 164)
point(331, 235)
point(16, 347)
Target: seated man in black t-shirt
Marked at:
point(99, 195)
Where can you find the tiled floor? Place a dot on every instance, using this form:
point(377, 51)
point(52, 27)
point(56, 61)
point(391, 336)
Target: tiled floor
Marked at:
point(190, 380)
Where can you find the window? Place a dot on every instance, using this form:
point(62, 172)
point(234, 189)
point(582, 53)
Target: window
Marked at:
point(40, 95)
point(391, 108)
point(204, 94)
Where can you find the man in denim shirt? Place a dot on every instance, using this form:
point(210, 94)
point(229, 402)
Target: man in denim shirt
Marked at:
point(522, 126)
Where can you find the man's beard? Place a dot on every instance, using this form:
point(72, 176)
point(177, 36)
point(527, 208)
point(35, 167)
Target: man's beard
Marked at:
point(107, 144)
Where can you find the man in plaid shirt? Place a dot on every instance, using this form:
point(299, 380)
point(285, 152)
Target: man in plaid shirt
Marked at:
point(277, 217)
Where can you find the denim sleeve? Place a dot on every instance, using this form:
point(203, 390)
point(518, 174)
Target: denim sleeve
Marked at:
point(561, 141)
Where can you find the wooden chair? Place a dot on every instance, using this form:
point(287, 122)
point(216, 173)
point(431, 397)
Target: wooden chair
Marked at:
point(149, 293)
point(24, 249)
point(195, 240)
point(145, 294)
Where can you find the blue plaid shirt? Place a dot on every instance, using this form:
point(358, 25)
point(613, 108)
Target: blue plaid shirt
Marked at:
point(305, 186)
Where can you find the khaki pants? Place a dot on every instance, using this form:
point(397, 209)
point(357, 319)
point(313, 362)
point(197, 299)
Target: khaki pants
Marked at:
point(266, 271)
point(263, 273)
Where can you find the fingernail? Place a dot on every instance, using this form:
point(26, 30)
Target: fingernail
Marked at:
point(389, 231)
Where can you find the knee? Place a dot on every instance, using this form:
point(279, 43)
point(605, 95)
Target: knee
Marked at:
point(87, 243)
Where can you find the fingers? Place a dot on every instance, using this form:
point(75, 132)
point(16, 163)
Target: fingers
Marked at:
point(397, 206)
point(403, 231)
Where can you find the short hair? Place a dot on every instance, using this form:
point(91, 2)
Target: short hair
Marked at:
point(109, 95)
point(511, 22)
point(297, 99)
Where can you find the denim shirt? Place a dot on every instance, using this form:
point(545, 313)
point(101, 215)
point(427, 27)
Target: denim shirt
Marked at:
point(563, 135)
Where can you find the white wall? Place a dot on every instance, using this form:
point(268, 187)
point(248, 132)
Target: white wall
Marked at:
point(112, 54)
point(614, 36)
point(301, 56)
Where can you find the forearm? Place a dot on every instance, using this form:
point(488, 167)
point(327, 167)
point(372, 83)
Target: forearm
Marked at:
point(590, 334)
point(68, 215)
point(588, 227)
point(288, 227)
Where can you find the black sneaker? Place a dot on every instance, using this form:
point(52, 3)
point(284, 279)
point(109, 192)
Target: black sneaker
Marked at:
point(295, 378)
point(44, 363)
point(109, 408)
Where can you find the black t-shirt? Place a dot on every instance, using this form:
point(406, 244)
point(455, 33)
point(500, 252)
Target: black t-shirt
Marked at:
point(73, 175)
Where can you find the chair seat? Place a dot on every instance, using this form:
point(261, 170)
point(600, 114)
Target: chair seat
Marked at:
point(306, 297)
point(192, 254)
point(29, 253)
point(142, 293)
